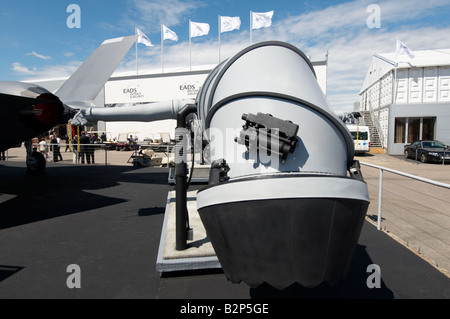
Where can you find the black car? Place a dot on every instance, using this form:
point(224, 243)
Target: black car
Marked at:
point(428, 151)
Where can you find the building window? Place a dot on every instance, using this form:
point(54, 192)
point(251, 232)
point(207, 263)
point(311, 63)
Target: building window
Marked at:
point(410, 129)
point(428, 128)
point(400, 129)
point(413, 129)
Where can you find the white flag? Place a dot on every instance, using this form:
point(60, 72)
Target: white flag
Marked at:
point(169, 34)
point(142, 38)
point(262, 19)
point(229, 23)
point(403, 49)
point(199, 29)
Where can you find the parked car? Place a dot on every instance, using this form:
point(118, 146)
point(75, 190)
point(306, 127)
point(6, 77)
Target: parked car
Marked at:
point(428, 151)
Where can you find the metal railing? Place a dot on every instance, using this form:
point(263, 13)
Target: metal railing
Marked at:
point(95, 151)
point(380, 185)
point(80, 155)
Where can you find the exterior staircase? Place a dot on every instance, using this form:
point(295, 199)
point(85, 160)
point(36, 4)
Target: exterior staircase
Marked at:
point(375, 142)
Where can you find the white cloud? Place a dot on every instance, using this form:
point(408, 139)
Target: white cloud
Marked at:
point(40, 56)
point(170, 12)
point(23, 70)
point(116, 28)
point(53, 71)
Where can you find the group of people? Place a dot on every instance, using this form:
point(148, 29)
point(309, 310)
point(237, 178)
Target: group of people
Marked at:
point(55, 146)
point(85, 153)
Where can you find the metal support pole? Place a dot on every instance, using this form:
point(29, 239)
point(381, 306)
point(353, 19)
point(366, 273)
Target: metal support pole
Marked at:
point(180, 206)
point(443, 159)
point(380, 198)
point(181, 212)
point(135, 164)
point(168, 157)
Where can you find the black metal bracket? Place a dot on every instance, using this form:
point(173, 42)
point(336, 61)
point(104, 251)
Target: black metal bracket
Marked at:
point(355, 171)
point(261, 130)
point(219, 172)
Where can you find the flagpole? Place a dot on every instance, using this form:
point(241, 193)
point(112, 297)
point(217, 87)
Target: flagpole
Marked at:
point(394, 98)
point(251, 25)
point(219, 39)
point(162, 50)
point(190, 68)
point(135, 32)
point(136, 52)
point(137, 73)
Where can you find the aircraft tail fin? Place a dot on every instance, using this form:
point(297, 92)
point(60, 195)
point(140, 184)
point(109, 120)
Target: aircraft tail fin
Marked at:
point(87, 81)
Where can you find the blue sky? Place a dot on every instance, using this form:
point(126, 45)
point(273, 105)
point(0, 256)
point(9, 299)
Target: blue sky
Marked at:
point(35, 41)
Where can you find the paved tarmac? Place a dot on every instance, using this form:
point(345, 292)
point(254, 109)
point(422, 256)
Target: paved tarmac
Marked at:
point(108, 221)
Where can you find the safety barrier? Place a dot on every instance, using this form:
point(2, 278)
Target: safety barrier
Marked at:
point(80, 155)
point(103, 154)
point(380, 185)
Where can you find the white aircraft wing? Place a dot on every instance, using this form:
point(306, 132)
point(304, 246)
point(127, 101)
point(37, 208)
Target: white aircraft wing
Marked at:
point(87, 81)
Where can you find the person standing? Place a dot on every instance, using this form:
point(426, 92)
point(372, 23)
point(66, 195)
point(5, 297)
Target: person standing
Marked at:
point(84, 148)
point(53, 147)
point(43, 148)
point(92, 140)
point(35, 142)
point(58, 148)
point(75, 150)
point(66, 139)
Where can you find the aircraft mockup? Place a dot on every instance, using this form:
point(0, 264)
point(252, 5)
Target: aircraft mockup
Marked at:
point(29, 110)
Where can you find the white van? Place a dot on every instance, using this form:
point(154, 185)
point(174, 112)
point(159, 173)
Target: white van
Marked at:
point(361, 138)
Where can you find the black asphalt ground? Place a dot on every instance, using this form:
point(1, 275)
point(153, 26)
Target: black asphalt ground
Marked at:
point(107, 220)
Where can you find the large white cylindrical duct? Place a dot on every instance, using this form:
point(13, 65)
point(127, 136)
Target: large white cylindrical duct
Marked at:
point(281, 206)
point(146, 112)
point(274, 78)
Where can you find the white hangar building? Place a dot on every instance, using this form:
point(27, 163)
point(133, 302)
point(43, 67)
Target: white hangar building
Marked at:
point(411, 102)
